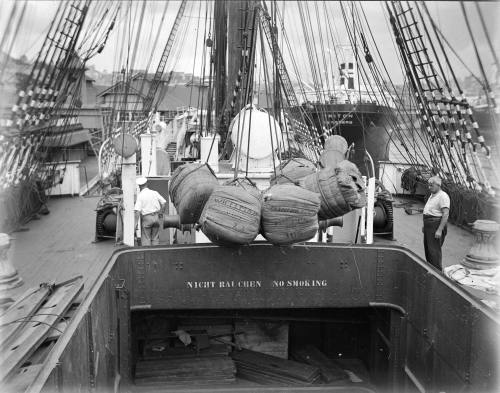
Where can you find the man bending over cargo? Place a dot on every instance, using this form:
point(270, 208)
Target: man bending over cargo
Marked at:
point(436, 213)
point(149, 206)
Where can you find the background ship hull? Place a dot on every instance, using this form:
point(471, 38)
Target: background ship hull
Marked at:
point(365, 125)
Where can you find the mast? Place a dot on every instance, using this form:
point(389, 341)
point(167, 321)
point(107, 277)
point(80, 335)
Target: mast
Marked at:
point(220, 18)
point(240, 46)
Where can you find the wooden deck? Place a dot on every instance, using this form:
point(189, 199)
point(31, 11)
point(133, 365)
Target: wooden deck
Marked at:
point(408, 233)
point(60, 245)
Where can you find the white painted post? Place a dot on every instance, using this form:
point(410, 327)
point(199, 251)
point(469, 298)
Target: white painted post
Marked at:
point(362, 225)
point(128, 187)
point(369, 210)
point(148, 154)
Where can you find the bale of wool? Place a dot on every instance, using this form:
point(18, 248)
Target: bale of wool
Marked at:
point(330, 158)
point(231, 216)
point(339, 193)
point(292, 170)
point(352, 170)
point(246, 184)
point(289, 214)
point(334, 151)
point(190, 187)
point(336, 142)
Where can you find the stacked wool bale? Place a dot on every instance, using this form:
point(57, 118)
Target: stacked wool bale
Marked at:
point(342, 189)
point(289, 214)
point(337, 189)
point(291, 171)
point(352, 170)
point(190, 187)
point(334, 151)
point(339, 182)
point(231, 215)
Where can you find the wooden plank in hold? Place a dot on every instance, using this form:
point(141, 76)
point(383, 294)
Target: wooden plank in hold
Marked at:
point(273, 366)
point(181, 384)
point(222, 331)
point(270, 338)
point(269, 378)
point(193, 370)
point(35, 332)
point(165, 352)
point(330, 371)
point(18, 314)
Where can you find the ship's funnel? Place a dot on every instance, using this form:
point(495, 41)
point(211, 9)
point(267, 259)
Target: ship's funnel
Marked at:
point(347, 68)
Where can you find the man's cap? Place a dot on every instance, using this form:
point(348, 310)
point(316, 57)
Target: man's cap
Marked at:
point(141, 181)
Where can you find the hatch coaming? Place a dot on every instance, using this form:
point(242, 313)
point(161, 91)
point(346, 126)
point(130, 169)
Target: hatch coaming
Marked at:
point(262, 276)
point(444, 337)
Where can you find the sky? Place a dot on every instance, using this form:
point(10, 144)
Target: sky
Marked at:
point(448, 16)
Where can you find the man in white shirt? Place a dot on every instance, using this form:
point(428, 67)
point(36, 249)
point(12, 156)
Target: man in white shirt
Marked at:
point(436, 212)
point(149, 206)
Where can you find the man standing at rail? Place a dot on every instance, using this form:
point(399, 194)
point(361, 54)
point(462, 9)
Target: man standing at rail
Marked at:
point(436, 212)
point(149, 206)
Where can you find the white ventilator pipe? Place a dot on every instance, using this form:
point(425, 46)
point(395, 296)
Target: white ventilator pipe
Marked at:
point(369, 210)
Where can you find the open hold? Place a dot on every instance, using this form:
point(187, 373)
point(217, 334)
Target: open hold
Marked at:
point(252, 348)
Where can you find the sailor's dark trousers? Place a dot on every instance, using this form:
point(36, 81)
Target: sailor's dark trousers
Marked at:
point(432, 245)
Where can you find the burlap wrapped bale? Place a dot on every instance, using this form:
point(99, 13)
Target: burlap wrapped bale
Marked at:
point(339, 193)
point(330, 158)
point(190, 187)
point(246, 184)
point(334, 151)
point(292, 170)
point(352, 170)
point(231, 216)
point(289, 214)
point(336, 142)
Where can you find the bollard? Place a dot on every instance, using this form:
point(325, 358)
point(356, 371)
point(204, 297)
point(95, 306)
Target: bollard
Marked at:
point(9, 278)
point(332, 222)
point(483, 253)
